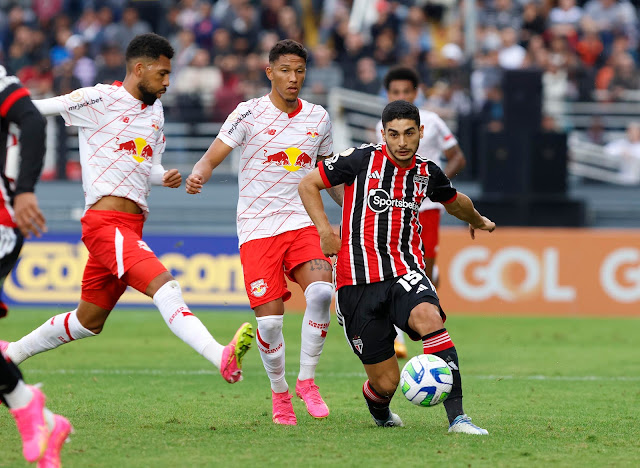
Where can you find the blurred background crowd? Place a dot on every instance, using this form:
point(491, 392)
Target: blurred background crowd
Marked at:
point(587, 51)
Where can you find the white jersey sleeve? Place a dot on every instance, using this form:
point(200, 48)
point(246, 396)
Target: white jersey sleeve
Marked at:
point(326, 145)
point(83, 107)
point(445, 137)
point(237, 127)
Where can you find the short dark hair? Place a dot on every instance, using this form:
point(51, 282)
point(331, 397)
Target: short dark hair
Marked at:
point(400, 110)
point(287, 47)
point(401, 74)
point(149, 45)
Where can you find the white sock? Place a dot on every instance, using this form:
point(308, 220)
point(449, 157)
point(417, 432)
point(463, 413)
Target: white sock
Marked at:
point(271, 346)
point(400, 337)
point(315, 324)
point(186, 326)
point(20, 396)
point(56, 331)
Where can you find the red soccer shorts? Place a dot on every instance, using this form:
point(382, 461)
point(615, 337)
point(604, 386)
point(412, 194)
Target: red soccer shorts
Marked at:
point(266, 261)
point(115, 245)
point(430, 222)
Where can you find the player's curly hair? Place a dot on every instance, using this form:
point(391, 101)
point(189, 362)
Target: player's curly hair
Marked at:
point(400, 110)
point(287, 47)
point(401, 74)
point(149, 45)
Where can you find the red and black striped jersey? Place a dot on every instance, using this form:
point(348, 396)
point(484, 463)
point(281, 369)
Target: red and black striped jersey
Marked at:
point(380, 227)
point(16, 107)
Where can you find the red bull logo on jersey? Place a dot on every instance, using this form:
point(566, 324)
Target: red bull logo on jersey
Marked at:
point(138, 149)
point(312, 133)
point(291, 159)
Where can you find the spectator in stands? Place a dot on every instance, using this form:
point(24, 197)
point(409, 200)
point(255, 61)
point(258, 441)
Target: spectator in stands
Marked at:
point(356, 48)
point(195, 85)
point(501, 14)
point(492, 113)
point(185, 47)
point(625, 78)
point(448, 101)
point(112, 66)
point(415, 38)
point(565, 17)
point(204, 28)
point(254, 80)
point(596, 132)
point(230, 94)
point(83, 66)
point(323, 73)
point(222, 43)
point(367, 80)
point(533, 23)
point(127, 28)
point(627, 150)
point(511, 55)
point(612, 15)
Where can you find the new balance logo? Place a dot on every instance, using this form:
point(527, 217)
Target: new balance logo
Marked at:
point(374, 175)
point(270, 131)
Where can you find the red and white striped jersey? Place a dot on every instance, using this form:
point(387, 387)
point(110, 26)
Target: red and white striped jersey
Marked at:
point(120, 138)
point(437, 138)
point(380, 227)
point(278, 150)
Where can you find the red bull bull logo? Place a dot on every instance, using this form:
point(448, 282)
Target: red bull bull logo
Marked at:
point(138, 149)
point(291, 159)
point(312, 133)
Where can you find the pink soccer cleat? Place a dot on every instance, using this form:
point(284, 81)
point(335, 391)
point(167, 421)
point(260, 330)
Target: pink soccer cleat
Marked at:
point(57, 438)
point(231, 366)
point(283, 409)
point(32, 426)
point(307, 390)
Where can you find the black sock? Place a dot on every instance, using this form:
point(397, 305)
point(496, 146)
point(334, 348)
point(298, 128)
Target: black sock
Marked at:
point(439, 344)
point(378, 405)
point(10, 375)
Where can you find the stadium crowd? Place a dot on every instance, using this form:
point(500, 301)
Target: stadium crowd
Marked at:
point(586, 49)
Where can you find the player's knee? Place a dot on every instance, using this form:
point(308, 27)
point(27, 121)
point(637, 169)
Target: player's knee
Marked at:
point(425, 318)
point(270, 325)
point(320, 293)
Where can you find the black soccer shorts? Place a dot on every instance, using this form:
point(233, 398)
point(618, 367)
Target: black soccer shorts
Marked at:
point(371, 310)
point(11, 241)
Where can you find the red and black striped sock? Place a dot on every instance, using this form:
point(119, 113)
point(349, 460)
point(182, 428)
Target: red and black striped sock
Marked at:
point(378, 404)
point(439, 344)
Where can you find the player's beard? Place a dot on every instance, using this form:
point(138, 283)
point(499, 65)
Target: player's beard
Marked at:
point(148, 97)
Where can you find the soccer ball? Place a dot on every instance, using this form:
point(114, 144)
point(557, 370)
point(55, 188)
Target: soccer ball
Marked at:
point(426, 380)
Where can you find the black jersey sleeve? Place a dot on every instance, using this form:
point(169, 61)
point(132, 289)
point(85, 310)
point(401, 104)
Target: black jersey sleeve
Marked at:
point(439, 188)
point(16, 107)
point(343, 168)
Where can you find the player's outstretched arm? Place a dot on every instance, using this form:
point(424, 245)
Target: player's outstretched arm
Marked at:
point(463, 209)
point(201, 172)
point(49, 107)
point(309, 190)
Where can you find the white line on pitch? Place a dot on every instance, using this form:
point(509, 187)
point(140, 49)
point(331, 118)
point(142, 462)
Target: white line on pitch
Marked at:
point(165, 372)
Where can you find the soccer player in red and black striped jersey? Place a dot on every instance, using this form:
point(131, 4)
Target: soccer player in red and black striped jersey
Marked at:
point(380, 273)
point(42, 432)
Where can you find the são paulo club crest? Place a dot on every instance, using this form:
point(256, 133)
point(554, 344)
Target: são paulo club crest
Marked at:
point(258, 288)
point(357, 343)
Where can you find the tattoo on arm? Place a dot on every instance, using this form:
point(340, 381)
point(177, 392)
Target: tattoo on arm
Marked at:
point(320, 265)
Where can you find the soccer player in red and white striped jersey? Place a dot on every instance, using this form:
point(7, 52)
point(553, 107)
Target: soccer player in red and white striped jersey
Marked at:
point(121, 145)
point(380, 275)
point(282, 137)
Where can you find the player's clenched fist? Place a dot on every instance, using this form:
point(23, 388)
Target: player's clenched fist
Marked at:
point(172, 178)
point(194, 184)
point(330, 243)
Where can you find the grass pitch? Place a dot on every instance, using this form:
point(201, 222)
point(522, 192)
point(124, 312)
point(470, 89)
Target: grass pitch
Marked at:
point(556, 392)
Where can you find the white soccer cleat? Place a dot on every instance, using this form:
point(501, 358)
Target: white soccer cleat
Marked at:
point(392, 421)
point(464, 425)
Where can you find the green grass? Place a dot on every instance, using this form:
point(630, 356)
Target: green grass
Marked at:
point(556, 392)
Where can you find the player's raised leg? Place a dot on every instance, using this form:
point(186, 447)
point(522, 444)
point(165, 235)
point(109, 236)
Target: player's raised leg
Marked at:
point(314, 277)
point(426, 320)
